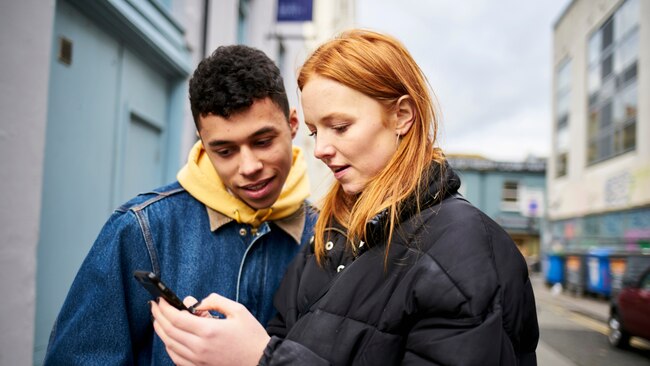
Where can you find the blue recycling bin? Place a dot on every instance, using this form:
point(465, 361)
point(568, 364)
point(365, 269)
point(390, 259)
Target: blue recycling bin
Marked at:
point(555, 269)
point(598, 273)
point(575, 273)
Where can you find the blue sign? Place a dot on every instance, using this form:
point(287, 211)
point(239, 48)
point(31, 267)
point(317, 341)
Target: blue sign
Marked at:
point(295, 10)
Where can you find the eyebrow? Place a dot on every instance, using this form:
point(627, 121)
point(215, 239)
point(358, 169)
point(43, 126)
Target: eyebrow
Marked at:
point(331, 116)
point(260, 132)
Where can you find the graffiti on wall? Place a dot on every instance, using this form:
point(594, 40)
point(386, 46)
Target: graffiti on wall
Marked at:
point(641, 182)
point(617, 189)
point(627, 187)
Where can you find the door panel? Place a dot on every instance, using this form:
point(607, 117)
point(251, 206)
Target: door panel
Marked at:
point(142, 163)
point(145, 90)
point(145, 99)
point(107, 120)
point(78, 163)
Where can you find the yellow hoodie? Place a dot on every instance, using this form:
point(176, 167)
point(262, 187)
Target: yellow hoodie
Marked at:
point(200, 179)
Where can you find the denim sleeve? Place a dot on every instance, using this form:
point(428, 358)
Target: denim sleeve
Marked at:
point(105, 319)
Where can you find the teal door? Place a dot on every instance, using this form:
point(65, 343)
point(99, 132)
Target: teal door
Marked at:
point(107, 123)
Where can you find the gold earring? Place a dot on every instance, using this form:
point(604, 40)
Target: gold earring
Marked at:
point(397, 136)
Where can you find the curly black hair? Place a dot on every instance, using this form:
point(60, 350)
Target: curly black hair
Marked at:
point(231, 79)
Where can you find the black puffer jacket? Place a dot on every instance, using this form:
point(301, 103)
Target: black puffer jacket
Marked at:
point(455, 292)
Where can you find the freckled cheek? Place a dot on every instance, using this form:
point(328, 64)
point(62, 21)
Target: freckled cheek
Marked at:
point(365, 163)
point(373, 160)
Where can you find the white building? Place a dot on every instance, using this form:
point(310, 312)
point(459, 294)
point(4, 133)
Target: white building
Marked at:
point(599, 173)
point(94, 109)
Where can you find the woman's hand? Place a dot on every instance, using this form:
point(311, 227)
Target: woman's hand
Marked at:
point(239, 339)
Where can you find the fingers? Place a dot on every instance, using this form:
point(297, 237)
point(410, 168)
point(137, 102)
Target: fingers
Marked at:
point(221, 304)
point(194, 340)
point(167, 340)
point(177, 341)
point(191, 304)
point(175, 350)
point(182, 320)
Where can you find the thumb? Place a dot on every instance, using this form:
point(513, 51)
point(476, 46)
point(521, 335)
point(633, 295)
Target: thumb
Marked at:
point(193, 307)
point(189, 301)
point(220, 304)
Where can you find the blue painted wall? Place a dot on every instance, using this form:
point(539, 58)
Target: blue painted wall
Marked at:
point(482, 183)
point(484, 188)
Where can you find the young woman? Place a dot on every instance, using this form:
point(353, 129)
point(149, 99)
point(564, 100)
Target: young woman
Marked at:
point(402, 269)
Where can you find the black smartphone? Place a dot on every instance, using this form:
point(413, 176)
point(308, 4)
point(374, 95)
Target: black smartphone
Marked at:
point(157, 289)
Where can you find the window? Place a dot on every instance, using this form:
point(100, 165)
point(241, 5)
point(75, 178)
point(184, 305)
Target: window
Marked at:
point(645, 282)
point(612, 85)
point(510, 196)
point(562, 98)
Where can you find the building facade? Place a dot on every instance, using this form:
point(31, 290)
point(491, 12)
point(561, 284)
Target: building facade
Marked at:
point(599, 173)
point(94, 111)
point(511, 193)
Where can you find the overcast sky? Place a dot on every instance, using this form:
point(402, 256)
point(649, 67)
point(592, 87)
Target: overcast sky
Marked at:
point(489, 62)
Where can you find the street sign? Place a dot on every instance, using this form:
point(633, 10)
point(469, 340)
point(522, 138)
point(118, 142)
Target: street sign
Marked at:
point(294, 10)
point(531, 201)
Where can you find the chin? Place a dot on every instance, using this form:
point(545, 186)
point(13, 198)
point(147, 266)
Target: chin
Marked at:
point(352, 190)
point(259, 205)
point(264, 203)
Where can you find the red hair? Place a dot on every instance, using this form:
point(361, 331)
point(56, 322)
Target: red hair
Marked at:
point(380, 67)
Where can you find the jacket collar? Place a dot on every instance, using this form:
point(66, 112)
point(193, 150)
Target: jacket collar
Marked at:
point(442, 183)
point(293, 225)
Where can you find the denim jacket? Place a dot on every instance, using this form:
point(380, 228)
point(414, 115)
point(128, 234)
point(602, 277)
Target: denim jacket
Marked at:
point(106, 319)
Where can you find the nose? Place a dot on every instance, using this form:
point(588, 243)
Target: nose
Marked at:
point(249, 163)
point(323, 148)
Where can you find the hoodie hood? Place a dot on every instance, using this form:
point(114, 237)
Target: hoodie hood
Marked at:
point(201, 180)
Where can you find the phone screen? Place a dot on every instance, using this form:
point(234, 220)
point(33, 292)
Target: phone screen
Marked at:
point(157, 289)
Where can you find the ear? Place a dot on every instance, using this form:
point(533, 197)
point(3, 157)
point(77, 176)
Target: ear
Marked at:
point(293, 122)
point(405, 115)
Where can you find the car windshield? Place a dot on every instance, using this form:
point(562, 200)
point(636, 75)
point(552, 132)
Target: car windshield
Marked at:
point(645, 283)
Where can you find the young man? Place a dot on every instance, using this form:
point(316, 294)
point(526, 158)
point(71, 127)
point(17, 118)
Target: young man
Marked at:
point(231, 224)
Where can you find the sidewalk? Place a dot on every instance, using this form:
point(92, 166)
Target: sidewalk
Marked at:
point(597, 309)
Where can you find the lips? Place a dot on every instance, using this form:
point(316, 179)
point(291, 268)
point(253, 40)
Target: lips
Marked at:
point(258, 192)
point(339, 170)
point(256, 186)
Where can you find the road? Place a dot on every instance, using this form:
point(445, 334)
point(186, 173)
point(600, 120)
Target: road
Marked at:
point(571, 338)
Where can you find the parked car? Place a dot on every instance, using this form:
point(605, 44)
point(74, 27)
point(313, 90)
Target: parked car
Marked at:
point(629, 314)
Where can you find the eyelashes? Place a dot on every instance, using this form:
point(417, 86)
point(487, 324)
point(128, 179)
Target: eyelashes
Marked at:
point(338, 129)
